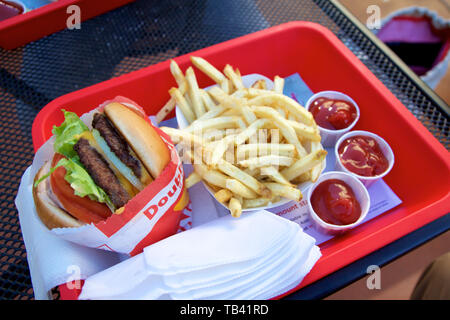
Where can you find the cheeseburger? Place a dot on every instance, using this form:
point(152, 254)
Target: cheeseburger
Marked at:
point(94, 173)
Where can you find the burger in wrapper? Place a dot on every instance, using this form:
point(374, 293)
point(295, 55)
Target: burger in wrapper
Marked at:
point(114, 182)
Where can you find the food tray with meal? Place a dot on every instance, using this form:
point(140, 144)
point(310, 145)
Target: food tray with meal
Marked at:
point(324, 63)
point(19, 27)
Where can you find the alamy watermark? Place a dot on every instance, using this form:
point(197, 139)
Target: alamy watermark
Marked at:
point(74, 19)
point(373, 282)
point(374, 18)
point(74, 279)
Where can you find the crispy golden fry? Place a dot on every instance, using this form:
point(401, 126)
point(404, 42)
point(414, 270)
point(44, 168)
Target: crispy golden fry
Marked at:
point(251, 93)
point(213, 135)
point(279, 100)
point(260, 84)
point(226, 86)
point(255, 203)
point(251, 150)
point(211, 176)
point(208, 69)
point(223, 195)
point(304, 164)
point(220, 147)
point(232, 112)
point(235, 207)
point(182, 104)
point(282, 112)
point(238, 188)
point(315, 171)
point(243, 177)
point(194, 93)
point(275, 175)
point(286, 130)
point(252, 172)
point(207, 100)
point(226, 100)
point(234, 77)
point(283, 190)
point(278, 84)
point(177, 73)
point(248, 115)
point(178, 135)
point(192, 179)
point(214, 123)
point(212, 113)
point(165, 110)
point(307, 133)
point(304, 177)
point(249, 131)
point(264, 161)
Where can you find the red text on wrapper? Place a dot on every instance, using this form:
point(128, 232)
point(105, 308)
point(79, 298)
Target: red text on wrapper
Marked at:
point(152, 210)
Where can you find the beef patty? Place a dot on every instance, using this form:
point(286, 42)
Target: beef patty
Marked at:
point(101, 173)
point(116, 143)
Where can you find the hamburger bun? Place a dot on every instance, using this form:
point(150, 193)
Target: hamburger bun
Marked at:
point(140, 136)
point(100, 152)
point(50, 213)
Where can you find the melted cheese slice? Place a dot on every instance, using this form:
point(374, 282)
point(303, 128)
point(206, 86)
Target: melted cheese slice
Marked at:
point(131, 190)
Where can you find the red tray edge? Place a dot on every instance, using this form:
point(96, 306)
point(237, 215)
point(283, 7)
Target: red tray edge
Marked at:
point(413, 221)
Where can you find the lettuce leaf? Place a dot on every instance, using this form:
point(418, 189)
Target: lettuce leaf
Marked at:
point(67, 134)
point(82, 183)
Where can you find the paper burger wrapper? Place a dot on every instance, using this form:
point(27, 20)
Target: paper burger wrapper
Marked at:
point(152, 215)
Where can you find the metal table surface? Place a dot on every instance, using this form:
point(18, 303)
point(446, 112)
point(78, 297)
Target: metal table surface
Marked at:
point(146, 32)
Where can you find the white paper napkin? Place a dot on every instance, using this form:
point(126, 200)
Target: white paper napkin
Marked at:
point(215, 251)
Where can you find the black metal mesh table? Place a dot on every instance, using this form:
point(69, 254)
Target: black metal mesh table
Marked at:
point(138, 35)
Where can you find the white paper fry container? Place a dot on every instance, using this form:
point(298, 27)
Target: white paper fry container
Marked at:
point(153, 214)
point(329, 137)
point(248, 81)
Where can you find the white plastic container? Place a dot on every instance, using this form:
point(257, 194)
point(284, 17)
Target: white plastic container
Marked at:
point(330, 137)
point(384, 146)
point(361, 195)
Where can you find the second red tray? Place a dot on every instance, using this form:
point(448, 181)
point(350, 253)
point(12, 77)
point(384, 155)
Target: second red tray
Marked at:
point(40, 22)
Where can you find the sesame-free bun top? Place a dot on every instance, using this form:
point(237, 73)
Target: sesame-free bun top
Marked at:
point(140, 136)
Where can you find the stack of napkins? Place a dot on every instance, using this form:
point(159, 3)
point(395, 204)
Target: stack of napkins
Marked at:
point(257, 256)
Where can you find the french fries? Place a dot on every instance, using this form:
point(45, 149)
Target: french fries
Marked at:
point(223, 195)
point(251, 146)
point(192, 179)
point(235, 207)
point(194, 93)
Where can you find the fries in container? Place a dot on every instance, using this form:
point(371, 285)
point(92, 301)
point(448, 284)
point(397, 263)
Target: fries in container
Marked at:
point(252, 146)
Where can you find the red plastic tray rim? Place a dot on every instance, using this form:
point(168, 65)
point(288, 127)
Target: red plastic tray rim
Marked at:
point(337, 253)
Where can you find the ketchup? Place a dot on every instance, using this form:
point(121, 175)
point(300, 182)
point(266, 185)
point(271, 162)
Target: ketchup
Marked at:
point(333, 114)
point(362, 155)
point(335, 203)
point(9, 9)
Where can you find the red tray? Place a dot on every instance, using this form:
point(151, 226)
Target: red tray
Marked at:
point(420, 177)
point(21, 29)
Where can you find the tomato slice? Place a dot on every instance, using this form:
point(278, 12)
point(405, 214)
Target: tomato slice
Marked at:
point(82, 208)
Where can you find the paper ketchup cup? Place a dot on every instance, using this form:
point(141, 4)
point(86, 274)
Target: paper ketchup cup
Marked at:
point(152, 215)
point(361, 195)
point(329, 137)
point(384, 146)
